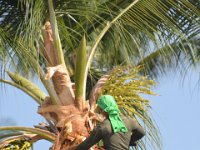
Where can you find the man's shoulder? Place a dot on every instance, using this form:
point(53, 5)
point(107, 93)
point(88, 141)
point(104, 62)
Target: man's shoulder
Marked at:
point(129, 121)
point(128, 118)
point(105, 126)
point(106, 122)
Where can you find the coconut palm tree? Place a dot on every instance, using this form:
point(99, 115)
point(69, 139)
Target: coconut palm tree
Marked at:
point(74, 48)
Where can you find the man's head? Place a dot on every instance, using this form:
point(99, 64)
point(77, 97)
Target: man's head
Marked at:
point(105, 104)
point(108, 104)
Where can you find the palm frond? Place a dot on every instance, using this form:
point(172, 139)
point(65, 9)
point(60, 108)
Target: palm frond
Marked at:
point(57, 43)
point(146, 19)
point(39, 99)
point(79, 77)
point(27, 86)
point(42, 133)
point(175, 55)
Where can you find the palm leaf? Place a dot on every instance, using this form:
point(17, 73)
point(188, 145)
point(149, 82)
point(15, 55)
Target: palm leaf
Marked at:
point(56, 37)
point(27, 86)
point(21, 141)
point(80, 68)
point(42, 133)
point(178, 55)
point(150, 19)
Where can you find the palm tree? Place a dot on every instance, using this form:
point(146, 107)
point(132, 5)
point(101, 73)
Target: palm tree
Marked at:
point(71, 45)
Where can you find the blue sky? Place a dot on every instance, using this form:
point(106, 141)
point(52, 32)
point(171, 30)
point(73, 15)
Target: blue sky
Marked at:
point(176, 111)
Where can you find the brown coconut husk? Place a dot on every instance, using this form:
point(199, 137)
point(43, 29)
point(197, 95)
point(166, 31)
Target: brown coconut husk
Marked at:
point(62, 83)
point(73, 125)
point(58, 72)
point(49, 52)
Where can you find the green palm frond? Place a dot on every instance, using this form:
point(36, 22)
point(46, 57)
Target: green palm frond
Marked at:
point(54, 26)
point(178, 54)
point(9, 134)
point(42, 133)
point(80, 68)
point(21, 53)
point(149, 20)
point(28, 87)
point(38, 99)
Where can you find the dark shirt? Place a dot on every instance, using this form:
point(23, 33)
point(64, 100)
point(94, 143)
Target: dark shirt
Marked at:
point(111, 140)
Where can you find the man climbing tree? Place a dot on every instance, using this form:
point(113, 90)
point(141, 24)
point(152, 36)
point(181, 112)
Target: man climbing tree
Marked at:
point(117, 131)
